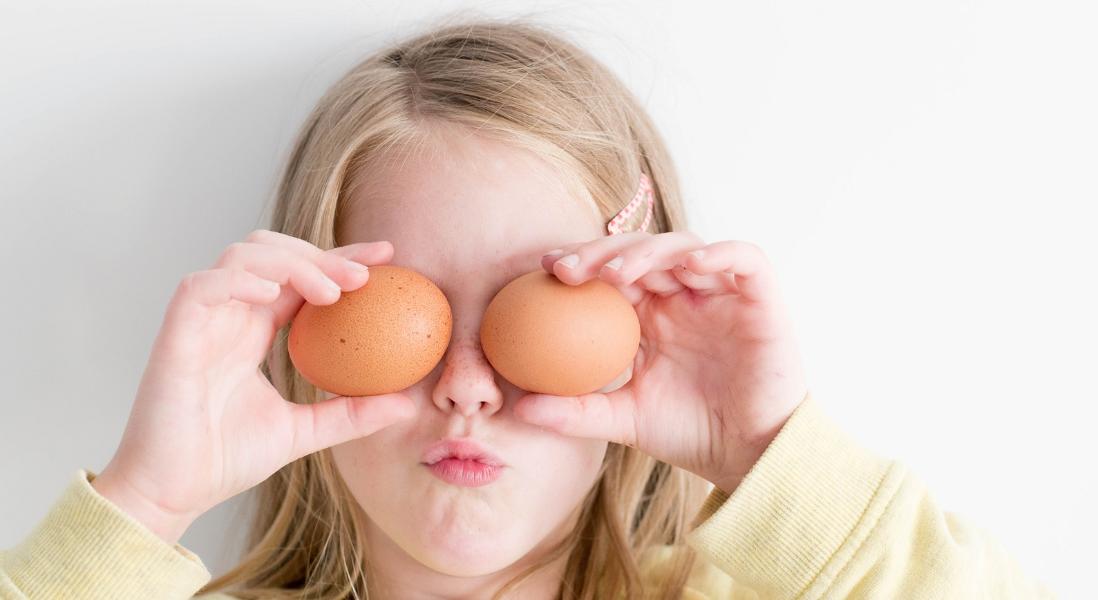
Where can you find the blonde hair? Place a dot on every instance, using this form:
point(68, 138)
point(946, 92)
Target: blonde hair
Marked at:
point(529, 86)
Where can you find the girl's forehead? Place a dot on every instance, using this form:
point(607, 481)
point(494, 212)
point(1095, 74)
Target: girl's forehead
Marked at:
point(469, 227)
point(472, 265)
point(485, 205)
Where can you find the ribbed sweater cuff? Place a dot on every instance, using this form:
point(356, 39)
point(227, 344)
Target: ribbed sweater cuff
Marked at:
point(801, 512)
point(86, 547)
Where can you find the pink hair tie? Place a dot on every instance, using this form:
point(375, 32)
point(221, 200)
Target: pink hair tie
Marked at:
point(644, 194)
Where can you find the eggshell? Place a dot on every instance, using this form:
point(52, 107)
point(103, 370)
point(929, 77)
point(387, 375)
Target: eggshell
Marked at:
point(380, 338)
point(550, 337)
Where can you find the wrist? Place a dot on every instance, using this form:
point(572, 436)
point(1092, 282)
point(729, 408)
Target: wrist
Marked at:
point(167, 525)
point(742, 460)
point(744, 451)
point(728, 482)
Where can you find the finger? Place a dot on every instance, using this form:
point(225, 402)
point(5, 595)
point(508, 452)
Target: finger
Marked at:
point(721, 282)
point(345, 274)
point(363, 252)
point(214, 287)
point(659, 252)
point(753, 276)
point(201, 290)
point(663, 283)
point(316, 277)
point(634, 292)
point(320, 278)
point(367, 253)
point(343, 265)
point(344, 418)
point(609, 417)
point(579, 262)
point(275, 238)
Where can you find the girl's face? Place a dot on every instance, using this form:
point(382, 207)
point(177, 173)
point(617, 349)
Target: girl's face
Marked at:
point(471, 214)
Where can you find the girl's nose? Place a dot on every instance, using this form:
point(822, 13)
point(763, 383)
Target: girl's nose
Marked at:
point(467, 384)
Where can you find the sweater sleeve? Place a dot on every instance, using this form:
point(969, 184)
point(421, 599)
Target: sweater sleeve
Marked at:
point(88, 548)
point(819, 516)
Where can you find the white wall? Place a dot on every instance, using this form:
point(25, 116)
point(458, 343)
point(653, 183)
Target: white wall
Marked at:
point(922, 174)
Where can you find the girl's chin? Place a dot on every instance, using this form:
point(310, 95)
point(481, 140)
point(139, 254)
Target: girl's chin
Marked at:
point(464, 554)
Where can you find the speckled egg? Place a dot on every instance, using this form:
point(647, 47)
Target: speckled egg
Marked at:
point(380, 338)
point(550, 337)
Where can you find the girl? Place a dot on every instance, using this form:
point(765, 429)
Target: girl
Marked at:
point(474, 154)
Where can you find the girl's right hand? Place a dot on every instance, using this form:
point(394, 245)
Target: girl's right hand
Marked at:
point(206, 423)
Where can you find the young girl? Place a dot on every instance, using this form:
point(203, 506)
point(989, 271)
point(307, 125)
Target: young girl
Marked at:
point(475, 154)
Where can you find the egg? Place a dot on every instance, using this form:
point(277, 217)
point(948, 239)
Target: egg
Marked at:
point(379, 338)
point(550, 337)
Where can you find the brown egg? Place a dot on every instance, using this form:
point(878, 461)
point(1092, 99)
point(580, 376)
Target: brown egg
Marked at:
point(380, 338)
point(549, 337)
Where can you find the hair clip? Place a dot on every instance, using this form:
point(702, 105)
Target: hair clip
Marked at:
point(644, 194)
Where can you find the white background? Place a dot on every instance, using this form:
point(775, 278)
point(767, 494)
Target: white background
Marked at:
point(922, 174)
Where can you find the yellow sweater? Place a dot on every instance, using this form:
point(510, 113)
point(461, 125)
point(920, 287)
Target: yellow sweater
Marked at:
point(817, 517)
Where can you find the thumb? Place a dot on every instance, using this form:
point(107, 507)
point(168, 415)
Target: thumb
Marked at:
point(611, 416)
point(344, 418)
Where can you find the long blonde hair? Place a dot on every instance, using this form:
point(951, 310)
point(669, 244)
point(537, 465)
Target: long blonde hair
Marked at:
point(536, 89)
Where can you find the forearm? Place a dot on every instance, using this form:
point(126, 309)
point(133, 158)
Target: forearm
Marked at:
point(821, 517)
point(87, 547)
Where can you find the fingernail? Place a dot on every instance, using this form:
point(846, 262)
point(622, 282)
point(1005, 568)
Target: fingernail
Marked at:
point(570, 261)
point(698, 254)
point(615, 264)
point(357, 266)
point(333, 285)
point(557, 252)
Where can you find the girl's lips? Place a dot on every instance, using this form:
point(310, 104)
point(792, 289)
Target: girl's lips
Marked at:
point(463, 462)
point(465, 449)
point(465, 472)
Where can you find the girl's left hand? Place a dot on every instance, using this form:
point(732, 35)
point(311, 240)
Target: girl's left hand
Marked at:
point(718, 371)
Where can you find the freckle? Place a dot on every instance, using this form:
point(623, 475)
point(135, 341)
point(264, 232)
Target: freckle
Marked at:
point(428, 335)
point(342, 341)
